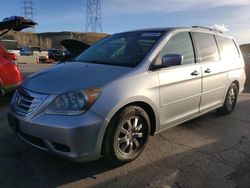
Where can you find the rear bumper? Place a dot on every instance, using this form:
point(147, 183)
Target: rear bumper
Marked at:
point(73, 137)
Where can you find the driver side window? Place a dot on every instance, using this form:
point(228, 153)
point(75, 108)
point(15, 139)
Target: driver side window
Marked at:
point(180, 44)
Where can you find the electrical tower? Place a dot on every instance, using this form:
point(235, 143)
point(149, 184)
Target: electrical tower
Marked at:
point(28, 11)
point(93, 16)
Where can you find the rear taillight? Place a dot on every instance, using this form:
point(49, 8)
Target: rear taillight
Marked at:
point(11, 57)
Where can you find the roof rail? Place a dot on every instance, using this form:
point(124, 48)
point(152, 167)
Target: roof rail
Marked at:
point(208, 28)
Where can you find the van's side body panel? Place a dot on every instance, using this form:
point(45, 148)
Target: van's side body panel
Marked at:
point(180, 93)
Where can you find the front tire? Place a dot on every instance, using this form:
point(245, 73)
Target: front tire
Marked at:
point(126, 135)
point(230, 100)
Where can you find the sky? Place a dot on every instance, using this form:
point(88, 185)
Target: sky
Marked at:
point(125, 15)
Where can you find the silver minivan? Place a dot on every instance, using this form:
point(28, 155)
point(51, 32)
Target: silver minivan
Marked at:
point(109, 99)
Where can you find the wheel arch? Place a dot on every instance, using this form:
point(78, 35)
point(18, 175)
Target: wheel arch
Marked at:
point(150, 110)
point(237, 84)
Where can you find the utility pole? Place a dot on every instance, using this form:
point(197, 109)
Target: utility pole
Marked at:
point(93, 16)
point(27, 7)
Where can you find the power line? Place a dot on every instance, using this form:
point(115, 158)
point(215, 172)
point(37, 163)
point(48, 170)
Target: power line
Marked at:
point(28, 11)
point(93, 16)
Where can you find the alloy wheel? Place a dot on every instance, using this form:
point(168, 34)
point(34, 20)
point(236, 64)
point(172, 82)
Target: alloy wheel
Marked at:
point(131, 135)
point(231, 98)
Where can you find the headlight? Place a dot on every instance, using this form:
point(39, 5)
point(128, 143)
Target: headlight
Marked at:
point(73, 103)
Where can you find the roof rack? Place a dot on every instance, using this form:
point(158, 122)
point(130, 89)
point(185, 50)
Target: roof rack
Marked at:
point(208, 28)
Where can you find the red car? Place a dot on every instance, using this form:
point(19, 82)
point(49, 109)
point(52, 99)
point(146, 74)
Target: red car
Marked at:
point(10, 74)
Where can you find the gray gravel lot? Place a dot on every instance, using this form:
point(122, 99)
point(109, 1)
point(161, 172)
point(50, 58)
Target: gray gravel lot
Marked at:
point(210, 151)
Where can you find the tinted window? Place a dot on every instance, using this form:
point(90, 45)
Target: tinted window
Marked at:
point(125, 49)
point(229, 49)
point(179, 44)
point(207, 47)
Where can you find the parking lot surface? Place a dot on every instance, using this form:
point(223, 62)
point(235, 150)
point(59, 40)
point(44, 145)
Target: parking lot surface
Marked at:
point(210, 151)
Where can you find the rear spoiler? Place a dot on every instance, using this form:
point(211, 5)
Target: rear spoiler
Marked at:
point(15, 23)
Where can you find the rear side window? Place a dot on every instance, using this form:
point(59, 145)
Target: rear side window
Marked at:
point(181, 44)
point(207, 47)
point(229, 49)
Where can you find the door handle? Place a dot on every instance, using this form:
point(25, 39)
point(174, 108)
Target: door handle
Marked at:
point(207, 71)
point(195, 73)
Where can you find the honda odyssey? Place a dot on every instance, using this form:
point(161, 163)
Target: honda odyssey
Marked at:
point(109, 99)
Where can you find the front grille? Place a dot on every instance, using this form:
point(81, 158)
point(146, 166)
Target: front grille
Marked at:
point(25, 102)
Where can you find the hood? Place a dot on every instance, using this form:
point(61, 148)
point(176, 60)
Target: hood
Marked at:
point(15, 23)
point(66, 77)
point(75, 47)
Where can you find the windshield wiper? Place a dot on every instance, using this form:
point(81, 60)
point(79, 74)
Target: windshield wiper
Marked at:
point(67, 61)
point(105, 63)
point(98, 62)
point(72, 60)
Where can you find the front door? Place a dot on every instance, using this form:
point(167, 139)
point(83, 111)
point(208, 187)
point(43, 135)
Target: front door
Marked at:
point(180, 86)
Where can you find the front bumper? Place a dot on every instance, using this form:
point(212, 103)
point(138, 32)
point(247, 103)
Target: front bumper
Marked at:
point(77, 138)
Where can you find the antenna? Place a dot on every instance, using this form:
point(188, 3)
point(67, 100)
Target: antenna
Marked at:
point(93, 16)
point(28, 11)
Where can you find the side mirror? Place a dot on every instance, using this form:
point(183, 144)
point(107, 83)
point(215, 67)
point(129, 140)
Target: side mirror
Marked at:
point(171, 60)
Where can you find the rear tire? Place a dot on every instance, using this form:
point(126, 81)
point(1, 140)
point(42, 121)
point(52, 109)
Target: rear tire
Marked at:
point(126, 135)
point(230, 100)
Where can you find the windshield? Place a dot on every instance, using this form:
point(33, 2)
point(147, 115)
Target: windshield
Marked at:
point(126, 49)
